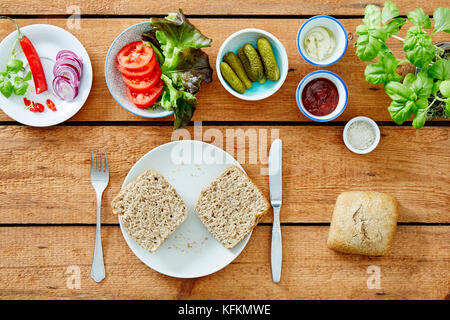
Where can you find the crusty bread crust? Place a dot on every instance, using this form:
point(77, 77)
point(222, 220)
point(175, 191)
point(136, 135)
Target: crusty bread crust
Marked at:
point(363, 223)
point(227, 212)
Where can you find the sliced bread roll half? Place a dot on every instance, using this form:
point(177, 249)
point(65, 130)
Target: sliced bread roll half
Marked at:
point(150, 209)
point(231, 206)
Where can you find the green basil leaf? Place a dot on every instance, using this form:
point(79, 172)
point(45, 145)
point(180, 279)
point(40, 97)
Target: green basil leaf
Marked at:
point(447, 107)
point(400, 112)
point(420, 118)
point(382, 71)
point(440, 69)
point(372, 16)
point(394, 26)
point(444, 88)
point(441, 18)
point(436, 86)
point(375, 73)
point(419, 47)
point(27, 77)
point(390, 10)
point(368, 46)
point(20, 86)
point(423, 85)
point(399, 92)
point(14, 65)
point(362, 29)
point(409, 80)
point(6, 88)
point(420, 18)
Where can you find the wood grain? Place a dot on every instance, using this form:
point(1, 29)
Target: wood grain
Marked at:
point(44, 176)
point(211, 7)
point(214, 102)
point(34, 262)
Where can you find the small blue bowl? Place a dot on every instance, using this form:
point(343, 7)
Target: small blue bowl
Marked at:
point(340, 85)
point(332, 24)
point(113, 77)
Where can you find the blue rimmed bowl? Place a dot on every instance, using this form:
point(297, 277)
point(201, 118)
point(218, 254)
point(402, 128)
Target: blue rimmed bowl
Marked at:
point(113, 77)
point(339, 32)
point(341, 88)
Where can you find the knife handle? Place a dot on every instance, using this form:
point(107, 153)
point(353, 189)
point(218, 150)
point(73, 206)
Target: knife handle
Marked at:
point(276, 252)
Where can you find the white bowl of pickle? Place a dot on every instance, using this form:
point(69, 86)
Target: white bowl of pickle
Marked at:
point(237, 78)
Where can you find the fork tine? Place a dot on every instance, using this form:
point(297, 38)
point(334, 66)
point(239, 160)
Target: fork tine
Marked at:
point(96, 162)
point(92, 161)
point(101, 161)
point(106, 162)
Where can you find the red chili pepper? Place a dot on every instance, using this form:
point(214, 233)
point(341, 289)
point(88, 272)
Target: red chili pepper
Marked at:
point(51, 105)
point(33, 59)
point(34, 107)
point(40, 107)
point(26, 102)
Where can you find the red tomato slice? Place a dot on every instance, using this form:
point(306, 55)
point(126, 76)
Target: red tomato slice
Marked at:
point(147, 99)
point(135, 55)
point(143, 85)
point(141, 73)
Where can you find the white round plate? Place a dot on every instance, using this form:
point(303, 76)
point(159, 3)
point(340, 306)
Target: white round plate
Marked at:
point(191, 251)
point(48, 41)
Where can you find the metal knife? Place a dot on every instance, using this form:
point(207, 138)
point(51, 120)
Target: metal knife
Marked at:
point(276, 252)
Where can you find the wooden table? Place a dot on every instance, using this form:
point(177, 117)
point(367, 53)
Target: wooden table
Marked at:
point(47, 204)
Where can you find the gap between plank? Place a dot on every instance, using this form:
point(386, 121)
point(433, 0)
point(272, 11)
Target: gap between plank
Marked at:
point(225, 123)
point(265, 224)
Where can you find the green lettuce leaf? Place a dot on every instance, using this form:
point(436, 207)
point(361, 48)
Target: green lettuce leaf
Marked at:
point(181, 102)
point(185, 65)
point(176, 34)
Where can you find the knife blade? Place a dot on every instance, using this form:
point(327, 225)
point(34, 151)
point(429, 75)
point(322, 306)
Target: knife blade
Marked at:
point(275, 184)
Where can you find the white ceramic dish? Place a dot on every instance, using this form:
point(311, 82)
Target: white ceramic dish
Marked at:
point(342, 91)
point(48, 41)
point(332, 24)
point(258, 91)
point(375, 128)
point(113, 77)
point(191, 251)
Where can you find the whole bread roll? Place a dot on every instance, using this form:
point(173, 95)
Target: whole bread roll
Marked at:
point(363, 222)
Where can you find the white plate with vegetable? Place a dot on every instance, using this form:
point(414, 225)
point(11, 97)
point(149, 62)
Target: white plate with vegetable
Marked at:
point(46, 93)
point(181, 67)
point(190, 251)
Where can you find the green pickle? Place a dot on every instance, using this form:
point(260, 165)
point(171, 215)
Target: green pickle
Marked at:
point(231, 77)
point(256, 66)
point(268, 58)
point(245, 64)
point(233, 61)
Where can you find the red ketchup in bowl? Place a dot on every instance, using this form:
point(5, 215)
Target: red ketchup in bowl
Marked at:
point(320, 97)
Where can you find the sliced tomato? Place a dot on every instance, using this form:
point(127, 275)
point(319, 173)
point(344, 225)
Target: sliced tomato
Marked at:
point(143, 85)
point(135, 55)
point(141, 73)
point(146, 99)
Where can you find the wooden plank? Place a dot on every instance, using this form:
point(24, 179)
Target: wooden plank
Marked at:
point(214, 102)
point(44, 176)
point(34, 264)
point(213, 7)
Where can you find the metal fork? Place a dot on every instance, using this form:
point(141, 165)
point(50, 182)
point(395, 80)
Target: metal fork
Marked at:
point(99, 180)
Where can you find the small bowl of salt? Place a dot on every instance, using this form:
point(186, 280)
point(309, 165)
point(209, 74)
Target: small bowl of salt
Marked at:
point(361, 135)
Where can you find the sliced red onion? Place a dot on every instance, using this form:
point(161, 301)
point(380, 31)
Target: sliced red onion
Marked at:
point(66, 60)
point(64, 89)
point(68, 71)
point(68, 53)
